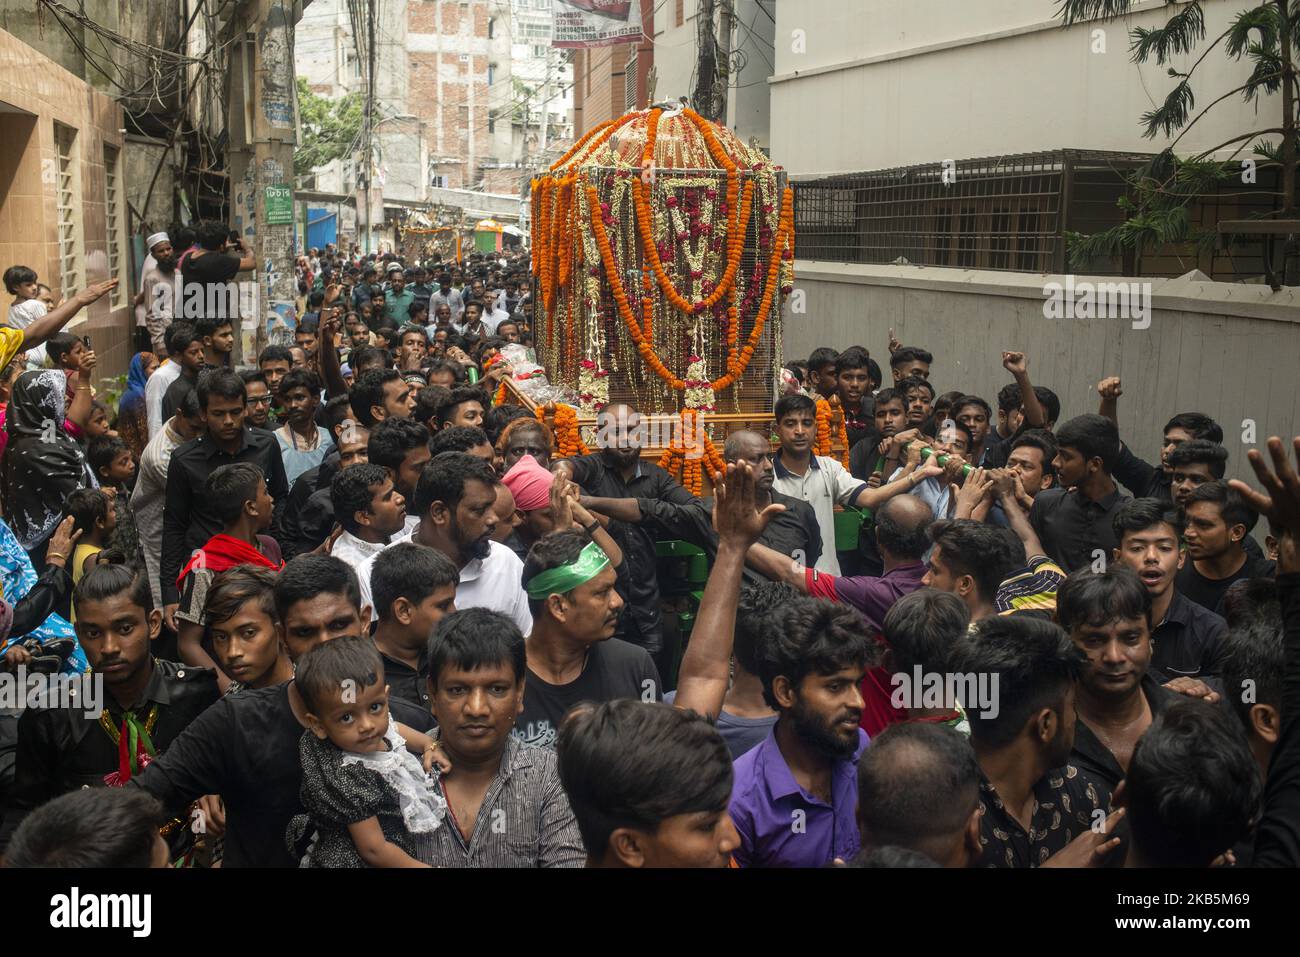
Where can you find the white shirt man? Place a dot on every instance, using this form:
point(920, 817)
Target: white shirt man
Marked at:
point(495, 583)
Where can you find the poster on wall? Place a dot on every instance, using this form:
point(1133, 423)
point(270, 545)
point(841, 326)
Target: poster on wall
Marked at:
point(595, 23)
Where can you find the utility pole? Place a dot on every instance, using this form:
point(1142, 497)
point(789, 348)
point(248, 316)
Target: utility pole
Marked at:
point(724, 59)
point(546, 113)
point(370, 119)
point(262, 120)
point(706, 71)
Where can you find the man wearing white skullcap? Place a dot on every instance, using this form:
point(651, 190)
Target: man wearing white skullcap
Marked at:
point(150, 261)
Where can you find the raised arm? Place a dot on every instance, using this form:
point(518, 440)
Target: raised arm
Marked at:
point(1277, 840)
point(706, 666)
point(1109, 391)
point(1018, 365)
point(58, 317)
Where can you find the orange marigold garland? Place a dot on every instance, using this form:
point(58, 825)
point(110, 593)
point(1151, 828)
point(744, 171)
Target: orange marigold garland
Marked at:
point(568, 440)
point(822, 443)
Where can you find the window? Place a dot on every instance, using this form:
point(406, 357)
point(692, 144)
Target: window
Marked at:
point(492, 73)
point(541, 53)
point(492, 23)
point(492, 122)
point(68, 203)
point(679, 13)
point(113, 219)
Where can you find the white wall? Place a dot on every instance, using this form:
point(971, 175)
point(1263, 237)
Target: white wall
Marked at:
point(882, 83)
point(1227, 350)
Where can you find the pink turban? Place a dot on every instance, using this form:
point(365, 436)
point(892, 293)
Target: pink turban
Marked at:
point(530, 484)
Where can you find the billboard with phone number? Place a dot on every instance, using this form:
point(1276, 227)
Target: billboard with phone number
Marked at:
point(595, 23)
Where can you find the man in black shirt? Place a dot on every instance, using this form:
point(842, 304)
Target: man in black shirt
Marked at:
point(1140, 478)
point(1218, 522)
point(207, 271)
point(1108, 616)
point(413, 588)
point(613, 480)
point(793, 532)
point(61, 746)
point(245, 747)
point(189, 520)
point(572, 654)
point(1187, 638)
point(1073, 521)
point(1036, 805)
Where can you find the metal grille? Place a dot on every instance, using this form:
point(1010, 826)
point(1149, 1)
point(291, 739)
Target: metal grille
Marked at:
point(66, 203)
point(1001, 213)
point(113, 219)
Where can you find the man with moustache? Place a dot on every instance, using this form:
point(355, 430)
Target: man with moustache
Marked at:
point(454, 504)
point(795, 795)
point(573, 656)
point(505, 804)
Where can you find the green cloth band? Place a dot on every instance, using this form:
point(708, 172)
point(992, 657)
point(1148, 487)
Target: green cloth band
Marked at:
point(591, 561)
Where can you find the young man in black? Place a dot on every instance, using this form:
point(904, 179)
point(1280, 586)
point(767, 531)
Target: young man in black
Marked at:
point(1108, 616)
point(64, 746)
point(1218, 523)
point(189, 518)
point(1192, 464)
point(1188, 639)
point(1074, 521)
point(1139, 477)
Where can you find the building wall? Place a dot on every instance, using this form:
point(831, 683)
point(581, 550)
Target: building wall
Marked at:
point(874, 84)
point(599, 76)
point(448, 55)
point(35, 93)
point(1224, 349)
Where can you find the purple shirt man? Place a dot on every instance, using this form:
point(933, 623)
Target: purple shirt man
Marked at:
point(782, 825)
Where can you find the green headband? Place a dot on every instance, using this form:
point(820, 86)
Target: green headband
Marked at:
point(591, 561)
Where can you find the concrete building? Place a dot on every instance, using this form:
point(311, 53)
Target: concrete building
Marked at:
point(63, 192)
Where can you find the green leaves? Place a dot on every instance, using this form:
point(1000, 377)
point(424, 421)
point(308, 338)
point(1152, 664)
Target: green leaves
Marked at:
point(1263, 20)
point(330, 128)
point(1180, 34)
point(1073, 11)
point(1171, 115)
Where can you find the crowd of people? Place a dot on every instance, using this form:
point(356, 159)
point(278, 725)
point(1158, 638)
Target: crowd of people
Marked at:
point(349, 610)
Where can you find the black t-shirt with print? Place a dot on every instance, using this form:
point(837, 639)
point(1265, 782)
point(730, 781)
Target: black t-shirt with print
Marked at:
point(614, 669)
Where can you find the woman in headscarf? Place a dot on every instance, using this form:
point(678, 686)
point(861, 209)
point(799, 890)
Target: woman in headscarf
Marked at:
point(42, 463)
point(132, 420)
